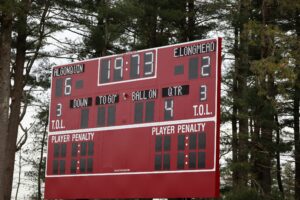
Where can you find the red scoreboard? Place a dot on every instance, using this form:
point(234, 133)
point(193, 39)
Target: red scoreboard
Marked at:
point(141, 124)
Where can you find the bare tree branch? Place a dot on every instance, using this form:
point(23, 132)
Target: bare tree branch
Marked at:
point(25, 104)
point(41, 37)
point(24, 137)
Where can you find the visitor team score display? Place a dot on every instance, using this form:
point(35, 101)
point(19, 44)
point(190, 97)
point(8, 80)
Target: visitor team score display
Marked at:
point(142, 124)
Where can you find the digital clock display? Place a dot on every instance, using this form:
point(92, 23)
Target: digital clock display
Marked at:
point(141, 124)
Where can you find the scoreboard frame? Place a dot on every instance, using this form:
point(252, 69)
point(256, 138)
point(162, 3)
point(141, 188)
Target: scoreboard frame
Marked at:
point(128, 183)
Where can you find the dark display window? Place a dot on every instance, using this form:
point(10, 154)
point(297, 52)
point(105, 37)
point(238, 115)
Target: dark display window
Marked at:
point(142, 65)
point(192, 141)
point(158, 143)
point(59, 154)
point(180, 160)
point(73, 166)
point(106, 116)
point(162, 152)
point(82, 161)
point(157, 162)
point(144, 111)
point(191, 151)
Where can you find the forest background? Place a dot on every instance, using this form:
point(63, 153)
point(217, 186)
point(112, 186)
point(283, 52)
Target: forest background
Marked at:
point(260, 139)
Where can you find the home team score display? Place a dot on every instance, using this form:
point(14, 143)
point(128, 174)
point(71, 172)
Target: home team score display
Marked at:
point(137, 125)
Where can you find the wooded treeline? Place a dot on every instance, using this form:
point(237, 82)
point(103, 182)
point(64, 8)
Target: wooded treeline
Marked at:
point(261, 77)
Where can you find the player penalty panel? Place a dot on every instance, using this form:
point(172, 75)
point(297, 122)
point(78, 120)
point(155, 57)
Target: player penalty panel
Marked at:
point(143, 124)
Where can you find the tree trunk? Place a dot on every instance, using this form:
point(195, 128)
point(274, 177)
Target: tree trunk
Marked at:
point(191, 20)
point(297, 136)
point(234, 142)
point(16, 96)
point(269, 111)
point(296, 112)
point(278, 165)
point(265, 143)
point(242, 72)
point(152, 34)
point(5, 57)
point(181, 23)
point(41, 160)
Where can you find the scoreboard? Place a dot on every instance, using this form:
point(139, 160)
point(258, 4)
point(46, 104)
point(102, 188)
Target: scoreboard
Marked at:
point(142, 124)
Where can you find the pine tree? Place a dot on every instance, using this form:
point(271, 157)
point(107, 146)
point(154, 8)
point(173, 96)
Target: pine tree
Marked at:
point(30, 27)
point(261, 48)
point(238, 19)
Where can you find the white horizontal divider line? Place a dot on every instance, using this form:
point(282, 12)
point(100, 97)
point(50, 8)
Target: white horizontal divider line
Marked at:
point(129, 126)
point(133, 173)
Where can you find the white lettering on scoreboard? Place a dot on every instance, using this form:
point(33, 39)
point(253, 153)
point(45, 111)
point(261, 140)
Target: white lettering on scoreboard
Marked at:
point(178, 129)
point(76, 137)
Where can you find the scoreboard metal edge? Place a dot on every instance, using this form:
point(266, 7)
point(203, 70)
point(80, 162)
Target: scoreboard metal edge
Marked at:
point(217, 129)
